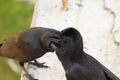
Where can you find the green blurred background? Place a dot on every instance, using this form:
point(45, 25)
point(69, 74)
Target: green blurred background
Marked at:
point(15, 15)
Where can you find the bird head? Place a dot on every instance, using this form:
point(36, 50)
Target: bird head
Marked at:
point(50, 40)
point(71, 41)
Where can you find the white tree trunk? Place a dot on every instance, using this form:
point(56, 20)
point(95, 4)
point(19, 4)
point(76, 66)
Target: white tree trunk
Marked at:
point(97, 20)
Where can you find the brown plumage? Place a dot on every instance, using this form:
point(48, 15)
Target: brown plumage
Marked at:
point(29, 45)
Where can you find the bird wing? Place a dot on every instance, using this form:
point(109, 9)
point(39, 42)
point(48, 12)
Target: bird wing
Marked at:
point(107, 72)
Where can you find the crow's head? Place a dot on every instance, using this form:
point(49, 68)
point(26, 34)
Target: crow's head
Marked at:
point(71, 41)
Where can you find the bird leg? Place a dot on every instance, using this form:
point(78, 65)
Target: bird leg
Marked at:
point(26, 73)
point(36, 63)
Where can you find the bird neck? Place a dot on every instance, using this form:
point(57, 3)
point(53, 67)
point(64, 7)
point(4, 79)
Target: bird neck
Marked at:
point(76, 56)
point(65, 62)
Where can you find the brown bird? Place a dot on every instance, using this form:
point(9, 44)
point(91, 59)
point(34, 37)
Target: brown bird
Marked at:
point(29, 45)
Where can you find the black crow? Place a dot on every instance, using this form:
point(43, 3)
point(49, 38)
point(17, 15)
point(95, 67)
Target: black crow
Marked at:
point(77, 64)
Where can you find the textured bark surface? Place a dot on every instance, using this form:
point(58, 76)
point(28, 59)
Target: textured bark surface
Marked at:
point(97, 20)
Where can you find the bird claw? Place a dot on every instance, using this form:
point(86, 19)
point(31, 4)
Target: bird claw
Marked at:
point(41, 65)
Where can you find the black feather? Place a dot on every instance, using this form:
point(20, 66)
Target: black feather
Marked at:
point(77, 64)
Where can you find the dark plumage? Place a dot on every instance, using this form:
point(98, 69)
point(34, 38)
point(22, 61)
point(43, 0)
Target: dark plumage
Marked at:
point(29, 45)
point(77, 64)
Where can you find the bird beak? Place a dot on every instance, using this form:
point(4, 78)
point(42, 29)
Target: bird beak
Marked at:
point(53, 46)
